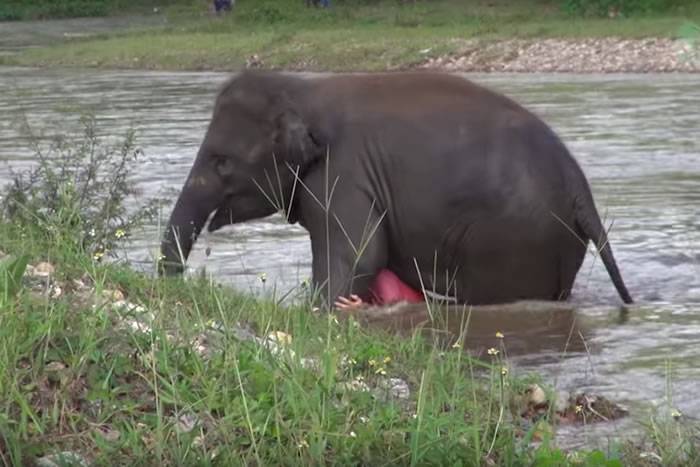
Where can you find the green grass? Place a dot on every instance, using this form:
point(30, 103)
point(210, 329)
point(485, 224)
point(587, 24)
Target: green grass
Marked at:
point(386, 35)
point(74, 377)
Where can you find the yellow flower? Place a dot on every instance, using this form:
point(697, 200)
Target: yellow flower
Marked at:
point(372, 362)
point(578, 409)
point(457, 345)
point(387, 360)
point(504, 371)
point(492, 351)
point(98, 255)
point(499, 334)
point(380, 371)
point(119, 233)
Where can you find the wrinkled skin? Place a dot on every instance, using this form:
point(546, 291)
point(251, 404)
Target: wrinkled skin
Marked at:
point(451, 186)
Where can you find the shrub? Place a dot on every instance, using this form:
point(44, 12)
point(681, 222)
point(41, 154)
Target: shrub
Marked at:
point(76, 193)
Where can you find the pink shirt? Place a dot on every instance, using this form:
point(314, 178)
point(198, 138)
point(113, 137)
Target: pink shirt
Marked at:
point(388, 288)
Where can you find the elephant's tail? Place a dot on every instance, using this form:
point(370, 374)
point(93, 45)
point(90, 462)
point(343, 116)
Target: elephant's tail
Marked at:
point(589, 221)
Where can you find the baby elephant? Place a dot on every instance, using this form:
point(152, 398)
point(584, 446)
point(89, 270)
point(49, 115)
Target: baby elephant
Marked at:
point(454, 188)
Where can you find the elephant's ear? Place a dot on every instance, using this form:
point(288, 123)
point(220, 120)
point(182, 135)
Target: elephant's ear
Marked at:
point(294, 139)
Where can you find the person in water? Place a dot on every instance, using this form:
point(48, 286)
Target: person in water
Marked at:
point(386, 289)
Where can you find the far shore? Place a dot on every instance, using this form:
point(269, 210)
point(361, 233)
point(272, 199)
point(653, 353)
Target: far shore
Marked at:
point(443, 37)
point(548, 55)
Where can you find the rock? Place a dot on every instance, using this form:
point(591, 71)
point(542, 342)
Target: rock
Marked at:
point(79, 285)
point(113, 295)
point(254, 61)
point(310, 364)
point(395, 388)
point(561, 401)
point(136, 325)
point(536, 395)
point(42, 269)
point(62, 459)
point(55, 291)
point(124, 306)
point(108, 434)
point(55, 366)
point(186, 422)
point(280, 337)
point(357, 384)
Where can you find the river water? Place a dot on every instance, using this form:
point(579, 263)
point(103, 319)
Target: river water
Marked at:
point(636, 137)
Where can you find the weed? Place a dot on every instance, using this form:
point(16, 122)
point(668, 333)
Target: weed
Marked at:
point(76, 193)
point(11, 272)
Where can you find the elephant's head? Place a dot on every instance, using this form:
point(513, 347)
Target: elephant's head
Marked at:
point(259, 132)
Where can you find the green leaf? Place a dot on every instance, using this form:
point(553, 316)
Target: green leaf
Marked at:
point(11, 272)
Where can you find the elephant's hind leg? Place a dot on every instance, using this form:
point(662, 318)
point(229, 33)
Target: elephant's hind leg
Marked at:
point(505, 260)
point(571, 256)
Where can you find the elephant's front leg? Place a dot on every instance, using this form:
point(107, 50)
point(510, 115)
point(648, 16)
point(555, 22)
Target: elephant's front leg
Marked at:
point(349, 248)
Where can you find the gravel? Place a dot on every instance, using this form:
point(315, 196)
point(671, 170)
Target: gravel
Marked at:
point(603, 55)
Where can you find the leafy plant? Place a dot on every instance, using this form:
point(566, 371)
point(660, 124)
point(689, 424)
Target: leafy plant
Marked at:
point(77, 192)
point(11, 272)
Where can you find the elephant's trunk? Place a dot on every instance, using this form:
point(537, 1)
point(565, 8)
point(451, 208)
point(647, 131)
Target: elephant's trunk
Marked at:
point(197, 200)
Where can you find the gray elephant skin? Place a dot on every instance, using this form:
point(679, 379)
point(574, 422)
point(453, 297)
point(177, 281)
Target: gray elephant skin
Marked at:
point(455, 188)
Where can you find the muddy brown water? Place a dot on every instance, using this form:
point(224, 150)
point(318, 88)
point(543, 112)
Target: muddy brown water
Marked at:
point(636, 137)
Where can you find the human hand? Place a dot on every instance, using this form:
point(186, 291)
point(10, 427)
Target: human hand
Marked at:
point(352, 303)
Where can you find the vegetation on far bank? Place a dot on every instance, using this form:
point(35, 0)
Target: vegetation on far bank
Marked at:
point(353, 35)
point(110, 366)
point(17, 10)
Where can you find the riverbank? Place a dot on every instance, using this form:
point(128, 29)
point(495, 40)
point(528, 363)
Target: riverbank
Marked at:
point(482, 38)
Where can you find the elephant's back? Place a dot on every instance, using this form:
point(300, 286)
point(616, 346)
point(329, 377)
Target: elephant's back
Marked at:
point(408, 95)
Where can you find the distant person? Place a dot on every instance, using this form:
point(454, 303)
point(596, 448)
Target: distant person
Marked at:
point(317, 3)
point(222, 5)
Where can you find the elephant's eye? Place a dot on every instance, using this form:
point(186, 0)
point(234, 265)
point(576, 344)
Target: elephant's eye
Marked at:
point(219, 159)
point(224, 164)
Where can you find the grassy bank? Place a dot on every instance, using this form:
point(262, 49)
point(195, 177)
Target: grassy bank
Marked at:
point(349, 36)
point(115, 367)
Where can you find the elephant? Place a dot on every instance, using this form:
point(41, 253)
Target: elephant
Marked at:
point(454, 187)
